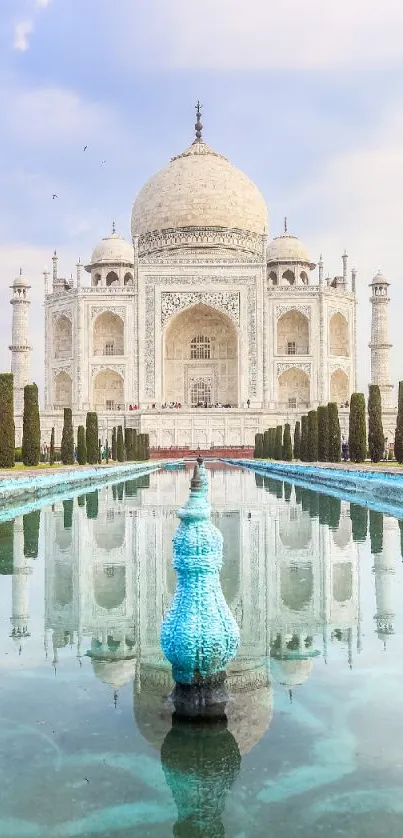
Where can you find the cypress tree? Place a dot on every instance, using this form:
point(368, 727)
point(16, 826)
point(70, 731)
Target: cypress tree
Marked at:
point(30, 523)
point(127, 443)
point(334, 512)
point(312, 453)
point(334, 433)
point(119, 491)
point(31, 434)
point(303, 450)
point(114, 445)
point(120, 448)
point(359, 521)
point(259, 481)
point(81, 500)
point(376, 531)
point(323, 433)
point(357, 432)
point(324, 510)
point(7, 432)
point(147, 448)
point(399, 426)
point(67, 446)
point(91, 503)
point(91, 437)
point(6, 548)
point(287, 492)
point(313, 504)
point(287, 444)
point(271, 442)
point(376, 442)
point(266, 445)
point(99, 452)
point(258, 451)
point(297, 440)
point(52, 447)
point(278, 449)
point(68, 514)
point(81, 446)
point(298, 494)
point(134, 444)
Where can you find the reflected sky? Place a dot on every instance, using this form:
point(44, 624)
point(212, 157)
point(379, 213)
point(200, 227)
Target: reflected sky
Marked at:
point(312, 740)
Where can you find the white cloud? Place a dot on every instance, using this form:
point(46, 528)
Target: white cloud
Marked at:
point(232, 34)
point(22, 31)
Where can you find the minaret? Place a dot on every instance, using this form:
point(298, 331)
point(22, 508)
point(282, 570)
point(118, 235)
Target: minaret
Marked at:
point(380, 346)
point(384, 570)
point(22, 570)
point(20, 349)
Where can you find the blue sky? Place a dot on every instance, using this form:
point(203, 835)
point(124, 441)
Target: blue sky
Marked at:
point(307, 99)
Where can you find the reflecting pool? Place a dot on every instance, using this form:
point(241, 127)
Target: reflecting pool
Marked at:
point(312, 743)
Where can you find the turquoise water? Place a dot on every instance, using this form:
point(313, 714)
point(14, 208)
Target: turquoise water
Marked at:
point(312, 744)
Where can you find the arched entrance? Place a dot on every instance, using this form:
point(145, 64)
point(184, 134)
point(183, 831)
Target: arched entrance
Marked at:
point(200, 361)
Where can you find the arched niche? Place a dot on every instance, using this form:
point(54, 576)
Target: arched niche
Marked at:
point(343, 534)
point(63, 536)
point(128, 279)
point(112, 278)
point(109, 334)
point(296, 586)
point(288, 277)
point(62, 338)
point(342, 581)
point(339, 387)
point(96, 279)
point(295, 532)
point(109, 582)
point(338, 335)
point(109, 533)
point(109, 390)
point(63, 390)
point(293, 334)
point(200, 355)
point(229, 524)
point(294, 388)
point(304, 278)
point(273, 278)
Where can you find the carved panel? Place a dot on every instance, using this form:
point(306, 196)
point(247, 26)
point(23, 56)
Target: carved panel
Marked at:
point(305, 310)
point(119, 310)
point(306, 368)
point(225, 301)
point(191, 237)
point(119, 368)
point(252, 342)
point(63, 312)
point(149, 345)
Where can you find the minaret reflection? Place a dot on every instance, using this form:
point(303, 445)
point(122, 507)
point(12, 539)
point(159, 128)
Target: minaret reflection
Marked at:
point(25, 548)
point(384, 533)
point(290, 577)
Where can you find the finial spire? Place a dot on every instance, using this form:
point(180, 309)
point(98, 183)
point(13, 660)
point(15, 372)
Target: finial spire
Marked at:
point(20, 271)
point(285, 224)
point(198, 123)
point(113, 227)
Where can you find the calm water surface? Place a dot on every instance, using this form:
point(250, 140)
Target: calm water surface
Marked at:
point(313, 743)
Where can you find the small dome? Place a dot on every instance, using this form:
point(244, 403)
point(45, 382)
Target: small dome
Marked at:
point(291, 672)
point(115, 673)
point(113, 250)
point(379, 279)
point(287, 248)
point(197, 189)
point(21, 282)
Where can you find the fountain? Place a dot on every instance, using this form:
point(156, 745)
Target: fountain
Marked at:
point(199, 635)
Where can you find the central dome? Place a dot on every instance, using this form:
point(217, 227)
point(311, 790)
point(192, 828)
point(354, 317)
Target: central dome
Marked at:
point(199, 189)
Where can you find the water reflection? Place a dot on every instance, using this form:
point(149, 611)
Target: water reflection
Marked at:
point(291, 576)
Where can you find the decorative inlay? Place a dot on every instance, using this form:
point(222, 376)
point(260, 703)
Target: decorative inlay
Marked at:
point(195, 237)
point(119, 368)
point(67, 369)
point(62, 312)
point(149, 343)
point(306, 368)
point(225, 301)
point(108, 309)
point(305, 310)
point(252, 342)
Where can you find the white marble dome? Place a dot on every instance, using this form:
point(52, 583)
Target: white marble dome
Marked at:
point(113, 250)
point(21, 282)
point(287, 248)
point(199, 188)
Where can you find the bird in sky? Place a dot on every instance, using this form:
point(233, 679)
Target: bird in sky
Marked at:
point(54, 196)
point(85, 148)
point(103, 162)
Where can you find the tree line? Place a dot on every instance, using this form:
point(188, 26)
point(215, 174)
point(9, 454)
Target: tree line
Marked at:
point(87, 447)
point(317, 436)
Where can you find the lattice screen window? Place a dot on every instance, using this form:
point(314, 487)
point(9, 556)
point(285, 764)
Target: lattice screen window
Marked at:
point(291, 348)
point(200, 347)
point(109, 348)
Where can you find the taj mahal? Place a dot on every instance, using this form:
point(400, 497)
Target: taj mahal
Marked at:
point(201, 330)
